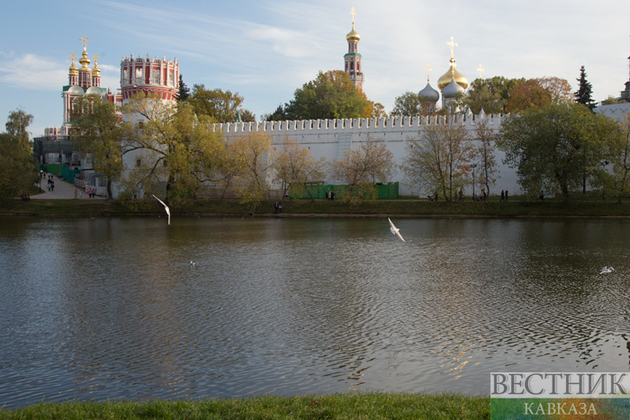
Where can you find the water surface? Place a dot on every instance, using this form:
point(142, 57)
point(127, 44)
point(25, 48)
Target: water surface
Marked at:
point(111, 308)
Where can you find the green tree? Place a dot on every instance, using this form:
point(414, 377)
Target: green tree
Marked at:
point(585, 91)
point(409, 104)
point(278, 115)
point(362, 168)
point(617, 179)
point(438, 161)
point(491, 94)
point(18, 168)
point(183, 93)
point(97, 129)
point(172, 146)
point(331, 95)
point(219, 106)
point(297, 168)
point(555, 147)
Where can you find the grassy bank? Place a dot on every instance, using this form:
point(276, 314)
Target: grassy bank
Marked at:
point(408, 208)
point(337, 406)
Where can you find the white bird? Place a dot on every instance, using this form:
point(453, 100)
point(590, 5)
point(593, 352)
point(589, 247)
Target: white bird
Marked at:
point(192, 262)
point(168, 211)
point(395, 230)
point(606, 270)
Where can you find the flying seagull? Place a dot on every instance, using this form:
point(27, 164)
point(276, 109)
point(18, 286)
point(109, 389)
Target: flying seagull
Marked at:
point(606, 270)
point(395, 230)
point(168, 212)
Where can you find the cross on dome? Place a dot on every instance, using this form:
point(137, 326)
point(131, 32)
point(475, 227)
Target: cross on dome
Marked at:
point(428, 70)
point(353, 13)
point(451, 46)
point(85, 40)
point(480, 70)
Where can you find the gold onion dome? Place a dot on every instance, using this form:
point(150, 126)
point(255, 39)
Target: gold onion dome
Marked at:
point(85, 61)
point(73, 69)
point(353, 35)
point(452, 73)
point(96, 71)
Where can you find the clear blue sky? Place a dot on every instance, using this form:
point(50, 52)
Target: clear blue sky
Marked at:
point(266, 49)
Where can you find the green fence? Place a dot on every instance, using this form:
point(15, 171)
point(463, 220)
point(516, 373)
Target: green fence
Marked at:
point(318, 191)
point(69, 174)
point(52, 168)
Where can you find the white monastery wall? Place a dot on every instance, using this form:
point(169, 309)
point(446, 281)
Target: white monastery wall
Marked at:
point(330, 139)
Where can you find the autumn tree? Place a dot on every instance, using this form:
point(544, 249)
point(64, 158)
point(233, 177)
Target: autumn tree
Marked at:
point(484, 155)
point(296, 167)
point(585, 91)
point(18, 167)
point(439, 160)
point(362, 167)
point(249, 167)
point(330, 95)
point(219, 106)
point(554, 147)
point(529, 94)
point(172, 147)
point(97, 129)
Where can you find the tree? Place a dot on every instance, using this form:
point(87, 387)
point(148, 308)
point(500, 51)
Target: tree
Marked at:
point(362, 168)
point(173, 148)
point(560, 89)
point(378, 110)
point(97, 129)
point(219, 106)
point(438, 160)
point(297, 168)
point(483, 150)
point(407, 105)
point(527, 95)
point(184, 92)
point(555, 147)
point(491, 94)
point(278, 115)
point(611, 101)
point(250, 167)
point(617, 180)
point(585, 91)
point(18, 168)
point(331, 95)
point(483, 98)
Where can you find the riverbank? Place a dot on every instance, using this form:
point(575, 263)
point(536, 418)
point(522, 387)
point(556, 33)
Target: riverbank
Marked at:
point(320, 208)
point(337, 406)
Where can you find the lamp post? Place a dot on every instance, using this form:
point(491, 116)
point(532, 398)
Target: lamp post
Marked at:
point(473, 166)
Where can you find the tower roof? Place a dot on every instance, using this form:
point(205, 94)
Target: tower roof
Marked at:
point(353, 35)
point(429, 93)
point(452, 73)
point(452, 89)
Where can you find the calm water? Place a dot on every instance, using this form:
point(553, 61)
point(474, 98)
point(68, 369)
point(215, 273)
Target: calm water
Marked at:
point(111, 308)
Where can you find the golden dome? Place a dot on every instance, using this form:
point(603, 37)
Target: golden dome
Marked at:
point(96, 71)
point(85, 61)
point(452, 73)
point(353, 35)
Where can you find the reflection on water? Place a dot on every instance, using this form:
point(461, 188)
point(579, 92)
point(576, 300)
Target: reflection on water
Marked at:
point(111, 308)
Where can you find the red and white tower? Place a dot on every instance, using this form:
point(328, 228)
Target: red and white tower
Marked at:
point(353, 66)
point(146, 76)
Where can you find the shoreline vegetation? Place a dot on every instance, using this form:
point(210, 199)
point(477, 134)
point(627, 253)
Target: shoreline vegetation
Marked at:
point(409, 208)
point(335, 406)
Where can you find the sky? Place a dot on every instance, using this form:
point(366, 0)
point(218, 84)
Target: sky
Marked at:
point(266, 49)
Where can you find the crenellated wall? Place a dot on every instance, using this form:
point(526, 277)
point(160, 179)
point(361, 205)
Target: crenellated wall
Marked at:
point(330, 139)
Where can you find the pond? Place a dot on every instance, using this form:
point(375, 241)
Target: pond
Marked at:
point(111, 308)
